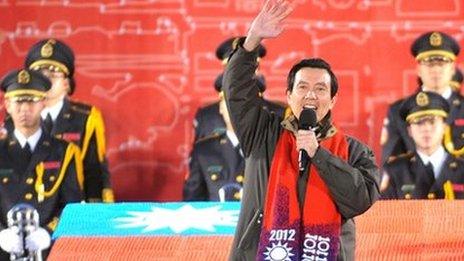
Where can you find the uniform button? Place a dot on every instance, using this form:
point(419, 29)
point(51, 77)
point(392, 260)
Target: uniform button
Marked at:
point(431, 196)
point(237, 195)
point(5, 180)
point(239, 178)
point(407, 196)
point(214, 177)
point(29, 181)
point(28, 196)
point(52, 178)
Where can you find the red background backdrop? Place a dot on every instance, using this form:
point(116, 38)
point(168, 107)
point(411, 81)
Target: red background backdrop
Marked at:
point(148, 65)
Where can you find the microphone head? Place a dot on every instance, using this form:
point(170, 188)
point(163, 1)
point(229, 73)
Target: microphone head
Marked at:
point(23, 215)
point(307, 119)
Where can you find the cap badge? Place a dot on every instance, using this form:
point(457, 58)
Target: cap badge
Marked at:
point(47, 49)
point(436, 39)
point(422, 99)
point(24, 77)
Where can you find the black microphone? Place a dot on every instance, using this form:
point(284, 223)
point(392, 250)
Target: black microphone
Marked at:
point(307, 121)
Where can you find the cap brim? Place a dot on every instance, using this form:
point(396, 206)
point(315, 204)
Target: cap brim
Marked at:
point(40, 63)
point(423, 113)
point(25, 93)
point(431, 53)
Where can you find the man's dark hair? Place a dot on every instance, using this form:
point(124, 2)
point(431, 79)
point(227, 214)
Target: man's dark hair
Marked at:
point(313, 63)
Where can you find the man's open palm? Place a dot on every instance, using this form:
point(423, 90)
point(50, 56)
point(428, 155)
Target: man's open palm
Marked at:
point(269, 22)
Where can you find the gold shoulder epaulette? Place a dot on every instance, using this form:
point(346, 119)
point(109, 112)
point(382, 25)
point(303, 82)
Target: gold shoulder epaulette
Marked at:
point(405, 155)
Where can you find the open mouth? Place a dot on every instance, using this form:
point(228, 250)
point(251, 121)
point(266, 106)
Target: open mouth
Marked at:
point(312, 107)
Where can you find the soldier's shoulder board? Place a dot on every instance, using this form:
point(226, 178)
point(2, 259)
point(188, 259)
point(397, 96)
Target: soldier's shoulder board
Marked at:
point(210, 137)
point(80, 107)
point(403, 156)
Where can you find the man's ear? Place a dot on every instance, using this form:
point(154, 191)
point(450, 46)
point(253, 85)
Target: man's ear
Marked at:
point(334, 100)
point(288, 92)
point(68, 85)
point(7, 106)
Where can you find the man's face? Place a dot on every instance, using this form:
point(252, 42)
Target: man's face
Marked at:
point(427, 132)
point(25, 114)
point(311, 89)
point(436, 74)
point(60, 83)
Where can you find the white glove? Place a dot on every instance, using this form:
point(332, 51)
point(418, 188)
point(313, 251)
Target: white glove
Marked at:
point(10, 240)
point(38, 240)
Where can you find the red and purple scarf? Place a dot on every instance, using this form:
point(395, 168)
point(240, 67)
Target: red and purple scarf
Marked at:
point(286, 233)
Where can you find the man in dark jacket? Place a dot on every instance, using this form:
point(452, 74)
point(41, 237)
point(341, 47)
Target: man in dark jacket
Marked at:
point(287, 214)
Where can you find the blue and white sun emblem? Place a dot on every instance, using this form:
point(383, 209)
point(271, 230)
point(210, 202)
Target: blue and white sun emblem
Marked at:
point(278, 252)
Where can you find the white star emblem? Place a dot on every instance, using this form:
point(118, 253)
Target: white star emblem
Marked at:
point(179, 220)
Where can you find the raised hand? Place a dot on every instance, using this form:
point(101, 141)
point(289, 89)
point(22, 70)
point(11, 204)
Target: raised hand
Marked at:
point(268, 23)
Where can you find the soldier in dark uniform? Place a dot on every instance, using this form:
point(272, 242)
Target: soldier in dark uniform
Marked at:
point(435, 53)
point(35, 168)
point(456, 81)
point(430, 172)
point(216, 165)
point(73, 121)
point(207, 119)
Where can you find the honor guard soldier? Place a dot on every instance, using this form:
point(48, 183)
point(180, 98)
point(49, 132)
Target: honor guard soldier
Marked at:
point(207, 119)
point(35, 168)
point(216, 165)
point(70, 120)
point(435, 53)
point(430, 172)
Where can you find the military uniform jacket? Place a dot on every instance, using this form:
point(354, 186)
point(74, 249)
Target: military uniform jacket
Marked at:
point(83, 125)
point(208, 120)
point(408, 179)
point(52, 178)
point(353, 184)
point(214, 164)
point(398, 141)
